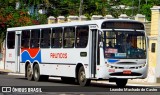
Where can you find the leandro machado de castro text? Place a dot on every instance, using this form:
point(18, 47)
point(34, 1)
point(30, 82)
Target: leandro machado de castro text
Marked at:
point(134, 89)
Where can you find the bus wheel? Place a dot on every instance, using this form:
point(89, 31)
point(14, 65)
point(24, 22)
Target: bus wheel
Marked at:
point(29, 73)
point(37, 76)
point(82, 78)
point(36, 73)
point(121, 82)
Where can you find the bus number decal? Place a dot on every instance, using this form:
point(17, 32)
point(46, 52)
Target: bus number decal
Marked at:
point(10, 54)
point(58, 55)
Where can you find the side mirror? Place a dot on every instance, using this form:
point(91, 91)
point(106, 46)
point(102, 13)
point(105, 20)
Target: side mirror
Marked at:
point(101, 44)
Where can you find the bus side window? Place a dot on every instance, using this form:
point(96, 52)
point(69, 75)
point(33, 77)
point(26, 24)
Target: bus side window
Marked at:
point(56, 38)
point(11, 40)
point(69, 37)
point(35, 36)
point(25, 39)
point(82, 36)
point(45, 38)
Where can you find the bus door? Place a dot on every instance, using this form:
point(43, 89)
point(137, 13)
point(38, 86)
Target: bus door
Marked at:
point(94, 51)
point(17, 51)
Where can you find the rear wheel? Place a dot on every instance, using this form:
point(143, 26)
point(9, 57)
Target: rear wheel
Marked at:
point(121, 82)
point(29, 72)
point(82, 80)
point(37, 76)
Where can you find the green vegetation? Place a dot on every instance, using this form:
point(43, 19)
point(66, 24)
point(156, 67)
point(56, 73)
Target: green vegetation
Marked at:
point(15, 12)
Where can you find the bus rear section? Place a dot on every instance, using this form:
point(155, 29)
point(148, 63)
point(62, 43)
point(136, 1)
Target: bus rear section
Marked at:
point(124, 51)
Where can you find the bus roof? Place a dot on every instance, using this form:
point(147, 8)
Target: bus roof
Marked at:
point(74, 23)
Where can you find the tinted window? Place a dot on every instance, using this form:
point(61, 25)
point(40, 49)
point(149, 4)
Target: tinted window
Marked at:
point(25, 39)
point(56, 38)
point(69, 39)
point(35, 35)
point(45, 38)
point(82, 36)
point(11, 40)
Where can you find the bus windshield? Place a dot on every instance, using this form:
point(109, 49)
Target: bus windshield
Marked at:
point(124, 44)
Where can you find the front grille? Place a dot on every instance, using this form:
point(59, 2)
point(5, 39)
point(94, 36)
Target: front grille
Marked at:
point(128, 63)
point(121, 74)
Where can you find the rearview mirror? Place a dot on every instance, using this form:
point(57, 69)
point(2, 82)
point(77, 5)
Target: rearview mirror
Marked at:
point(100, 44)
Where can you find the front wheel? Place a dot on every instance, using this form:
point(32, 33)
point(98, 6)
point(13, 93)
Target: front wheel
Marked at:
point(82, 80)
point(121, 82)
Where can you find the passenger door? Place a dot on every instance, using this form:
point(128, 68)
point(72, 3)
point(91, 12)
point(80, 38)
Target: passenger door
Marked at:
point(17, 51)
point(94, 51)
point(10, 51)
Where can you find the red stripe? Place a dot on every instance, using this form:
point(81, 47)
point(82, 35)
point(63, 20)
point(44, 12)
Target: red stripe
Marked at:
point(32, 51)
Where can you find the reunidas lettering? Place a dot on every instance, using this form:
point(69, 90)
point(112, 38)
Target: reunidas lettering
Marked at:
point(58, 55)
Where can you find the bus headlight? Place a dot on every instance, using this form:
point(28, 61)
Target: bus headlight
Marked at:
point(143, 65)
point(107, 65)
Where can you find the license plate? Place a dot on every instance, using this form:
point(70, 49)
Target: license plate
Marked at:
point(127, 72)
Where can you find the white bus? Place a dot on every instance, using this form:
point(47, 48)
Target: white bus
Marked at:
point(106, 49)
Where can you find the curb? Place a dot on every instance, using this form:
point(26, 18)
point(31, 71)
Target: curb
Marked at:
point(19, 74)
point(2, 71)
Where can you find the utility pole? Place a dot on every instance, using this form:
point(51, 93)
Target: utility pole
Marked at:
point(132, 7)
point(80, 9)
point(146, 2)
point(139, 6)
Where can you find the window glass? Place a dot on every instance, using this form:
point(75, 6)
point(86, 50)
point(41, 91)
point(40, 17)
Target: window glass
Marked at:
point(45, 38)
point(82, 36)
point(124, 44)
point(11, 40)
point(35, 35)
point(69, 39)
point(56, 38)
point(25, 39)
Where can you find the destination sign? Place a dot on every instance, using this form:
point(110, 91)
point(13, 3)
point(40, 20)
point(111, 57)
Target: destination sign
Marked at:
point(122, 25)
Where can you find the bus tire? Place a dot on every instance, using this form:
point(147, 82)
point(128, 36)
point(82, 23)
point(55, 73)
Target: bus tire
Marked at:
point(82, 80)
point(121, 82)
point(36, 73)
point(29, 73)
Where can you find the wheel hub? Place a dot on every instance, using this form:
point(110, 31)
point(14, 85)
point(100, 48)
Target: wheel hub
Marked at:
point(29, 72)
point(82, 77)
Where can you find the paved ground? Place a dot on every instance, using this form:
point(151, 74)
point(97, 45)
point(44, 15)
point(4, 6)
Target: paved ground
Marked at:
point(130, 82)
point(59, 88)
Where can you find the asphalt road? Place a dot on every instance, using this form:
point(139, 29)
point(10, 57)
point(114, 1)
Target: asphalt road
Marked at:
point(17, 83)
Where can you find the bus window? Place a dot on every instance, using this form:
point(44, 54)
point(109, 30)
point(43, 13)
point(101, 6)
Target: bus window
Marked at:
point(69, 39)
point(56, 38)
point(125, 44)
point(82, 36)
point(45, 38)
point(11, 40)
point(25, 39)
point(35, 35)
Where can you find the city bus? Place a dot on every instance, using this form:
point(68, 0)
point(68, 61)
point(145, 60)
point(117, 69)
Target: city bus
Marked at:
point(105, 49)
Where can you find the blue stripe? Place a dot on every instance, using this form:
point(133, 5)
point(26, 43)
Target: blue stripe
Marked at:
point(25, 56)
point(112, 60)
